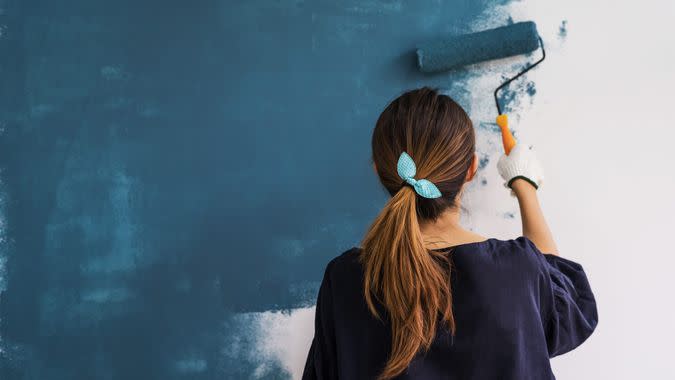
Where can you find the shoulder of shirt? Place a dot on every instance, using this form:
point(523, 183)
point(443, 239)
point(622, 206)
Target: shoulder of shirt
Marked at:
point(523, 250)
point(346, 259)
point(347, 256)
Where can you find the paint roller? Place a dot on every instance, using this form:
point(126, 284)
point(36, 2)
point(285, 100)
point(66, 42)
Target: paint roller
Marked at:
point(457, 51)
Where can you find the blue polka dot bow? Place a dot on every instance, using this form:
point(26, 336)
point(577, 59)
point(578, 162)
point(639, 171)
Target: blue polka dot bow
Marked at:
point(406, 170)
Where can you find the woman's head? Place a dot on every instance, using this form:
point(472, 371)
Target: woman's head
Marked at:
point(436, 132)
point(412, 282)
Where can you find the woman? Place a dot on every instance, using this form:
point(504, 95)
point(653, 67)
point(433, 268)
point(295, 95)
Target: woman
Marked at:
point(424, 298)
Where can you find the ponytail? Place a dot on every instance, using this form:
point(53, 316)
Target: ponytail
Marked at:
point(412, 283)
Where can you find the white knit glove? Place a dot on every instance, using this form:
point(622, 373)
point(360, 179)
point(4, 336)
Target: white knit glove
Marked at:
point(522, 163)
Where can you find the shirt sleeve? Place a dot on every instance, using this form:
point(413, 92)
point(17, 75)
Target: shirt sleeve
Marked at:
point(567, 304)
point(321, 363)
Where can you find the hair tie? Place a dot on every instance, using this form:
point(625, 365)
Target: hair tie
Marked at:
point(406, 170)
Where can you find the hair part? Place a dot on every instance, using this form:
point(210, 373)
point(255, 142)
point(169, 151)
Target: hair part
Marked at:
point(410, 281)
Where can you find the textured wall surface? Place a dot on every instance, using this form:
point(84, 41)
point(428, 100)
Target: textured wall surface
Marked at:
point(175, 175)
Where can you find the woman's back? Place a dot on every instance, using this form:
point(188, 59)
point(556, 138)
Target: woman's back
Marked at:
point(397, 308)
point(514, 308)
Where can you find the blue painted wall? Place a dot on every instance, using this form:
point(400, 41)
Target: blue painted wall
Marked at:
point(167, 164)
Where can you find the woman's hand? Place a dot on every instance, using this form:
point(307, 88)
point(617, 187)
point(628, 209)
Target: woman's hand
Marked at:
point(521, 163)
point(523, 174)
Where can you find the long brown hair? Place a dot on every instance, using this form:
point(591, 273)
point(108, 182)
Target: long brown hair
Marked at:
point(412, 282)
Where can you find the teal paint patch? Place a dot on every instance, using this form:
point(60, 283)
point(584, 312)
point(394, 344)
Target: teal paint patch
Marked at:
point(562, 30)
point(483, 162)
point(530, 89)
point(518, 91)
point(490, 127)
point(129, 133)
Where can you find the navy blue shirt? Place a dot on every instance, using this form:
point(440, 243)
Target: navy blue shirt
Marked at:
point(514, 309)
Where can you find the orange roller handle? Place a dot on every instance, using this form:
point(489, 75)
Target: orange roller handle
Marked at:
point(507, 138)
